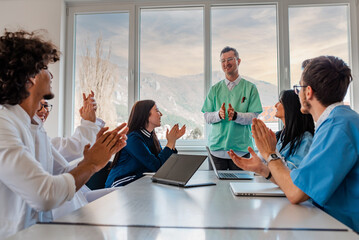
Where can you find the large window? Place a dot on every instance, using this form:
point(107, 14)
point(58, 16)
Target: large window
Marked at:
point(252, 30)
point(316, 31)
point(172, 64)
point(169, 52)
point(101, 64)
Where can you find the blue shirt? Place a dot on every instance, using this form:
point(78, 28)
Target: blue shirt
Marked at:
point(329, 174)
point(137, 157)
point(301, 151)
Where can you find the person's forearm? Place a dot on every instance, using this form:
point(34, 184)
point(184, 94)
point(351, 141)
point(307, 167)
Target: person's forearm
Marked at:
point(82, 173)
point(281, 175)
point(171, 144)
point(212, 117)
point(265, 172)
point(245, 118)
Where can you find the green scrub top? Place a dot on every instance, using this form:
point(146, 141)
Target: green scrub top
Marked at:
point(226, 135)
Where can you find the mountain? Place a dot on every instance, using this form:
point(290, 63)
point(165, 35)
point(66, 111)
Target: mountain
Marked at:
point(180, 99)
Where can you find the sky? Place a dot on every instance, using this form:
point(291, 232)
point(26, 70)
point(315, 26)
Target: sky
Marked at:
point(112, 27)
point(326, 34)
point(172, 42)
point(252, 31)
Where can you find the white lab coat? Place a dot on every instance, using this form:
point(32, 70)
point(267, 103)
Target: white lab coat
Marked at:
point(72, 147)
point(26, 188)
point(55, 155)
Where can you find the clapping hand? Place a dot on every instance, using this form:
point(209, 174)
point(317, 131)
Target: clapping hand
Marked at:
point(181, 131)
point(264, 138)
point(222, 111)
point(253, 164)
point(87, 111)
point(171, 135)
point(107, 143)
point(230, 112)
point(174, 134)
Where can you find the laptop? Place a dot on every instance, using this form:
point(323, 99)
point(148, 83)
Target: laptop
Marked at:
point(229, 174)
point(179, 169)
point(256, 189)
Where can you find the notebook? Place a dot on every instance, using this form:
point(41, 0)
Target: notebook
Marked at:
point(179, 169)
point(256, 189)
point(229, 174)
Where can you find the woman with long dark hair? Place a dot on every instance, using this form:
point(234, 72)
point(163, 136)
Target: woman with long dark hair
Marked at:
point(143, 152)
point(293, 141)
point(295, 138)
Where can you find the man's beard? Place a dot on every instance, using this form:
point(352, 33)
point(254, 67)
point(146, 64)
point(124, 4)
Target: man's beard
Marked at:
point(305, 106)
point(49, 96)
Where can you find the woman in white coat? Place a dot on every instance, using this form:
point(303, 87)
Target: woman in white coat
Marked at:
point(71, 147)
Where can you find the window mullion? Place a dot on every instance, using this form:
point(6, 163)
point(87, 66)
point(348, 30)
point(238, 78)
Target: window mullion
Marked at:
point(283, 47)
point(207, 55)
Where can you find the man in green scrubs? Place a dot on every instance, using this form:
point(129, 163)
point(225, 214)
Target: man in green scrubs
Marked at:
point(229, 108)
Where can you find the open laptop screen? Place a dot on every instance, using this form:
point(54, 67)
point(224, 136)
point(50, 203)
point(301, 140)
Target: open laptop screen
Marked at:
point(211, 161)
point(179, 168)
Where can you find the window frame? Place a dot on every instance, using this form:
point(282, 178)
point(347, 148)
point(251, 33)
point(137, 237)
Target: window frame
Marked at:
point(134, 10)
point(70, 54)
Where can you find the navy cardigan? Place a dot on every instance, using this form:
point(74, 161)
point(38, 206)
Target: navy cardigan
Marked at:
point(137, 157)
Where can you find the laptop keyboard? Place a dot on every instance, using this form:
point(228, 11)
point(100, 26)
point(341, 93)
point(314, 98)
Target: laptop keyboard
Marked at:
point(229, 175)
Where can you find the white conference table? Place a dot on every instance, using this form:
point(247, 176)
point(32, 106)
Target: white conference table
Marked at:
point(143, 203)
point(146, 210)
point(79, 232)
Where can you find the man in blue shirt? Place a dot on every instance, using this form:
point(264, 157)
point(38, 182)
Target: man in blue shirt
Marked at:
point(329, 173)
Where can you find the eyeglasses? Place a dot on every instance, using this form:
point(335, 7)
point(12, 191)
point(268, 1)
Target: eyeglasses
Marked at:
point(227, 60)
point(47, 107)
point(297, 88)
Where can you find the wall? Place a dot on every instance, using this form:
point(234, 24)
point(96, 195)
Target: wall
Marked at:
point(41, 14)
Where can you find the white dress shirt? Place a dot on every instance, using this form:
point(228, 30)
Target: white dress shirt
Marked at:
point(26, 188)
point(56, 157)
point(72, 147)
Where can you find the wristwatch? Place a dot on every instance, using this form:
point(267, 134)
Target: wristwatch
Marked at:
point(273, 156)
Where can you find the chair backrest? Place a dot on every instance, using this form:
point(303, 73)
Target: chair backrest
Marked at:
point(98, 180)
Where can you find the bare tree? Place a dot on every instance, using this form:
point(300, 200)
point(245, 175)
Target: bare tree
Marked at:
point(195, 134)
point(96, 73)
